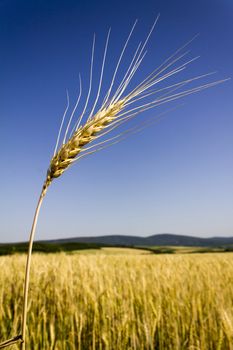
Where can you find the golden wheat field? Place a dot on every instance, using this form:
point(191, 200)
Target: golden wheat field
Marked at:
point(119, 302)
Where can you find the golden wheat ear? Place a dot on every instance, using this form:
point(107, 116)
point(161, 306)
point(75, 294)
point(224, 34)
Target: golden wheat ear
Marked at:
point(88, 133)
point(120, 107)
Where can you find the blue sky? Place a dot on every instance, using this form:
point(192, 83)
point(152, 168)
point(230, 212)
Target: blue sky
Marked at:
point(173, 177)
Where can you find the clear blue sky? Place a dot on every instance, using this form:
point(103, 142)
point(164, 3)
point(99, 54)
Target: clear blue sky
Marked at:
point(175, 177)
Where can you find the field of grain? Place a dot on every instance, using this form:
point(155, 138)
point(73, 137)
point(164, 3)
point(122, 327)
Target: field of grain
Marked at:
point(120, 302)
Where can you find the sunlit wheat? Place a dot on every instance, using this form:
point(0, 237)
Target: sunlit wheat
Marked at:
point(87, 130)
point(121, 302)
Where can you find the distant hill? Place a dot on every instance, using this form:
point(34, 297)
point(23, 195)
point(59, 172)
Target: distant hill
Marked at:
point(165, 239)
point(157, 244)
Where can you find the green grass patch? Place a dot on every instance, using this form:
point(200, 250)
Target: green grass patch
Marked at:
point(41, 247)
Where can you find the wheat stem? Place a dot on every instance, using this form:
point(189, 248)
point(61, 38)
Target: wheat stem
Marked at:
point(28, 265)
point(11, 341)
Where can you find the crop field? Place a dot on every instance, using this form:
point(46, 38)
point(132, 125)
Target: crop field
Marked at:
point(120, 301)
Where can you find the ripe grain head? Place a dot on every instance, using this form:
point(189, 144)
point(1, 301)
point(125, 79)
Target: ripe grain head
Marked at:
point(83, 136)
point(120, 105)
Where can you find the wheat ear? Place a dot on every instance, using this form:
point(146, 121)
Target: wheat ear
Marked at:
point(115, 109)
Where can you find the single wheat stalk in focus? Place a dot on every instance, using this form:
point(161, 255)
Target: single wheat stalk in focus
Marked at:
point(115, 109)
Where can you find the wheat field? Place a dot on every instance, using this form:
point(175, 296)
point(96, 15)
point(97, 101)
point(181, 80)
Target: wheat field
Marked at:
point(119, 302)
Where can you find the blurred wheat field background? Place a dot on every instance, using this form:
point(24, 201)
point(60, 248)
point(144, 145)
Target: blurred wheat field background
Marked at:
point(120, 302)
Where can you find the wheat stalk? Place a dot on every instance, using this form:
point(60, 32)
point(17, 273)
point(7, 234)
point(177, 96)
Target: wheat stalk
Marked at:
point(115, 109)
